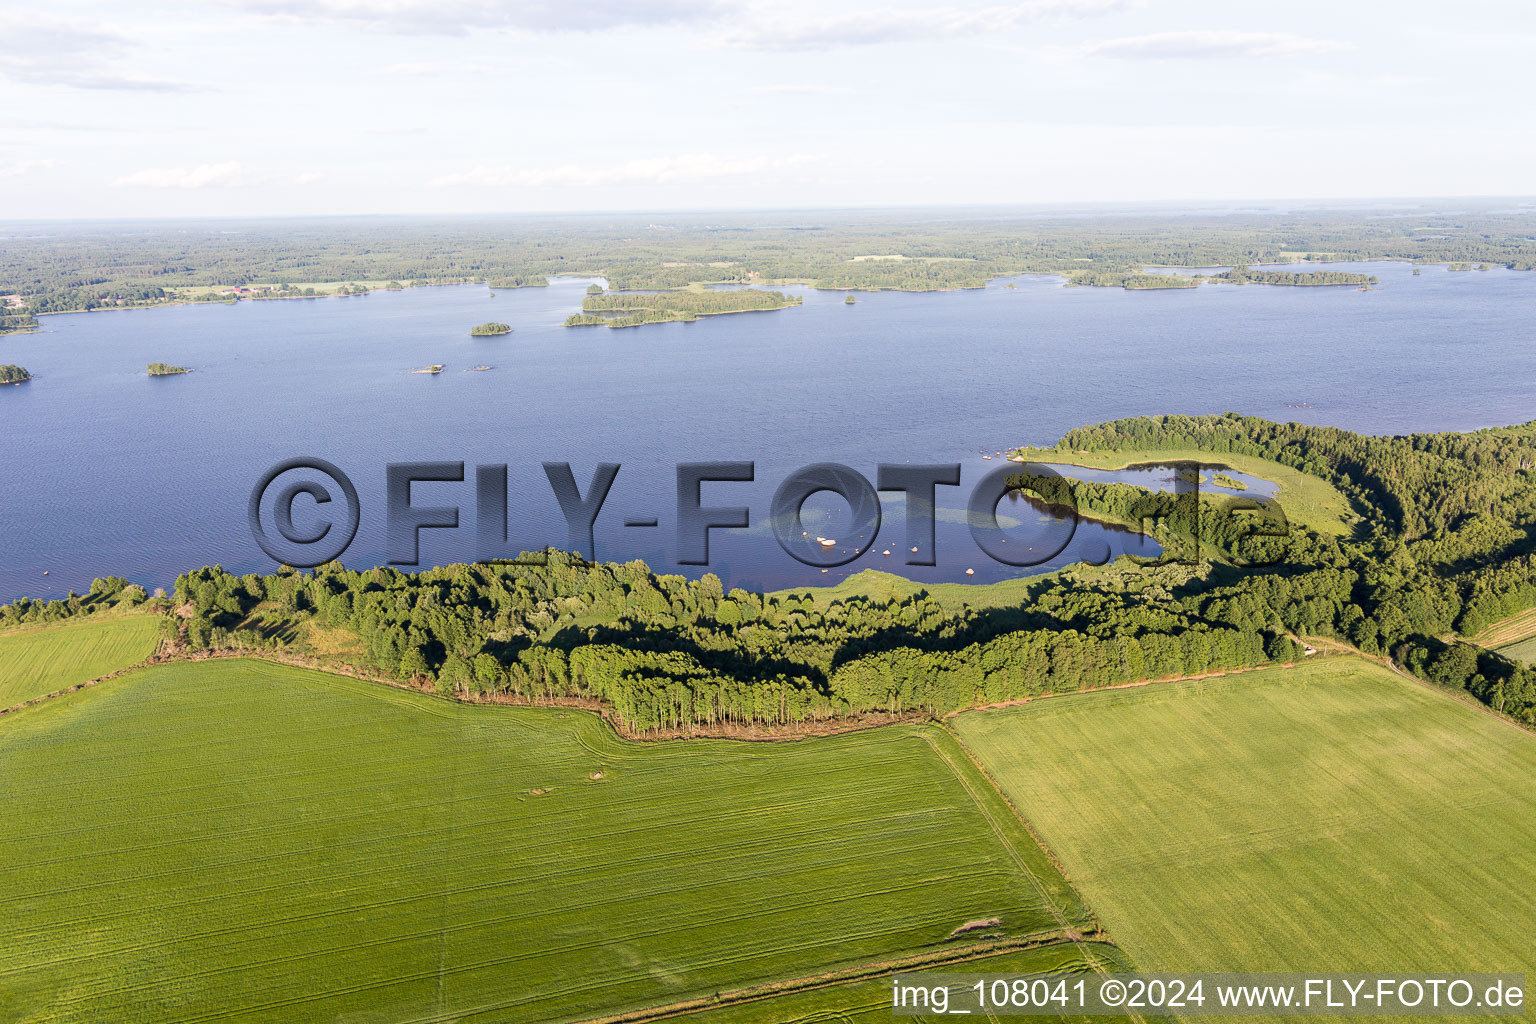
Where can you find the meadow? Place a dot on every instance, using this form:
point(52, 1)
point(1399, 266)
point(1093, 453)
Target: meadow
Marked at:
point(35, 661)
point(1333, 816)
point(1523, 650)
point(234, 839)
point(1308, 500)
point(1514, 637)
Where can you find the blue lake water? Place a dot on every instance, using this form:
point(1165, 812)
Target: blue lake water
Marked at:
point(111, 471)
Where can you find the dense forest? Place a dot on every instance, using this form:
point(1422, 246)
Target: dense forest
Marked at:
point(1446, 545)
point(10, 373)
point(85, 266)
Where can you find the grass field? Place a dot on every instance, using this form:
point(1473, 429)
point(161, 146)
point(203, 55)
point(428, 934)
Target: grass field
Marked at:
point(1331, 817)
point(239, 840)
point(1309, 500)
point(38, 661)
point(1514, 637)
point(1523, 650)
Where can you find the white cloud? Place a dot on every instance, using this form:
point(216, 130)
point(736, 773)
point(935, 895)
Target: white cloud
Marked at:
point(225, 175)
point(656, 171)
point(458, 17)
point(438, 67)
point(16, 168)
point(230, 174)
point(924, 25)
point(76, 55)
point(1207, 44)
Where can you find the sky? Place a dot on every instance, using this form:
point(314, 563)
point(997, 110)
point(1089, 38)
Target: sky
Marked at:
point(302, 107)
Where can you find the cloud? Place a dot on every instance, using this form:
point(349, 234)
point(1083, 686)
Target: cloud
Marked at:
point(76, 55)
point(656, 171)
point(867, 28)
point(225, 175)
point(230, 174)
point(458, 17)
point(16, 168)
point(1210, 44)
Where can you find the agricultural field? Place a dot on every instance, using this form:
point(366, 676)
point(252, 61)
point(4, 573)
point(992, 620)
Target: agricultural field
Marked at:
point(1514, 637)
point(1521, 650)
point(1332, 814)
point(35, 661)
point(233, 839)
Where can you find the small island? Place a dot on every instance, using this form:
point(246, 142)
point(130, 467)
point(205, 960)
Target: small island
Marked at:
point(632, 309)
point(1231, 483)
point(166, 370)
point(434, 368)
point(490, 330)
point(10, 373)
point(1314, 279)
point(849, 300)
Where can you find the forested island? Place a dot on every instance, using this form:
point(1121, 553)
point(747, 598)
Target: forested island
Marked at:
point(632, 309)
point(1132, 282)
point(166, 370)
point(1316, 278)
point(75, 267)
point(488, 330)
point(1438, 549)
point(10, 373)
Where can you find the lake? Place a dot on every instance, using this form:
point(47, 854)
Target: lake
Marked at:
point(111, 471)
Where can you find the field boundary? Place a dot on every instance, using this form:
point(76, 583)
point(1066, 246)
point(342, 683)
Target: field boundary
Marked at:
point(857, 972)
point(1349, 650)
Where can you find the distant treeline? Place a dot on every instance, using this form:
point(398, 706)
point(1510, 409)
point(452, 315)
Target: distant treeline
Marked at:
point(84, 266)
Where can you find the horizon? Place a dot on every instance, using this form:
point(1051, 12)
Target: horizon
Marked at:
point(1241, 206)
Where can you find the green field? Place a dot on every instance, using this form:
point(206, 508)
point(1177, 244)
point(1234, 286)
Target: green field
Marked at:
point(1514, 637)
point(1307, 499)
point(1523, 650)
point(38, 661)
point(1329, 817)
point(239, 840)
